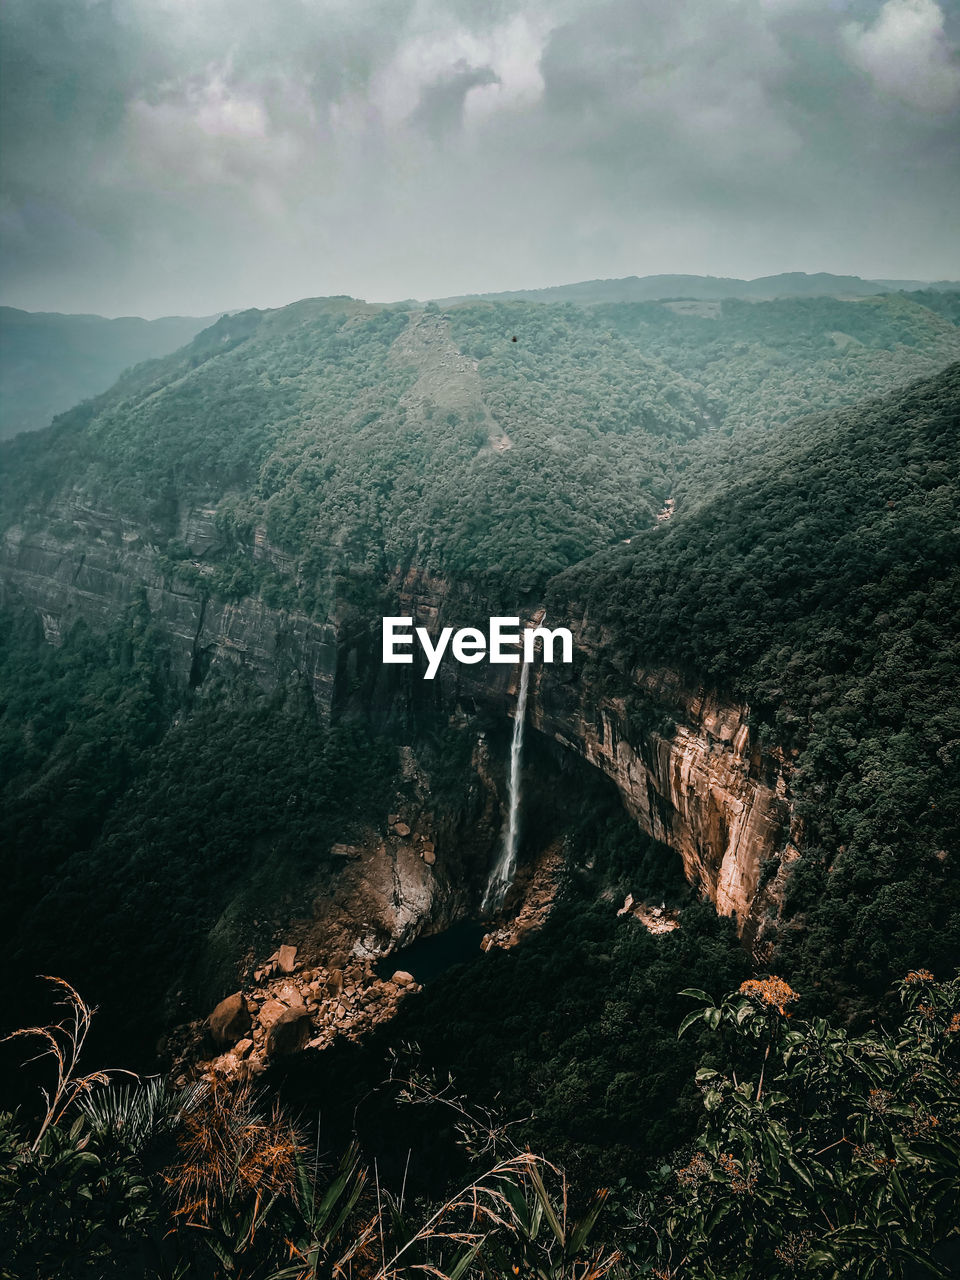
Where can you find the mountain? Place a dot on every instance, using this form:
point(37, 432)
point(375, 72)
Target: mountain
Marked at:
point(250, 842)
point(791, 284)
point(360, 438)
point(252, 505)
point(49, 362)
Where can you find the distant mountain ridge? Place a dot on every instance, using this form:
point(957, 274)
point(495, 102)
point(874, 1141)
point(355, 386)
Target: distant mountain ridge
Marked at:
point(789, 284)
point(49, 362)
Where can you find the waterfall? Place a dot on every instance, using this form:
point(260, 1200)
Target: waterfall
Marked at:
point(503, 872)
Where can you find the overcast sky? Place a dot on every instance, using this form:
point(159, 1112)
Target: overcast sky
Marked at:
point(192, 156)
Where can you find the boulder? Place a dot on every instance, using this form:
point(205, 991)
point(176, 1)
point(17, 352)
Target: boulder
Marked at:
point(429, 857)
point(287, 959)
point(242, 1048)
point(290, 1032)
point(403, 979)
point(271, 1011)
point(345, 851)
point(229, 1020)
point(401, 829)
point(335, 982)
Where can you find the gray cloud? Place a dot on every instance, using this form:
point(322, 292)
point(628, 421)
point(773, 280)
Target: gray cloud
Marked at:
point(190, 155)
point(442, 103)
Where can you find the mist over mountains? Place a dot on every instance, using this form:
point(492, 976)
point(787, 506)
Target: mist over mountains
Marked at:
point(639, 961)
point(50, 362)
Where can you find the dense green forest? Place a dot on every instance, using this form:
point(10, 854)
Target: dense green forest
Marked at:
point(362, 438)
point(120, 792)
point(822, 585)
point(815, 1153)
point(159, 832)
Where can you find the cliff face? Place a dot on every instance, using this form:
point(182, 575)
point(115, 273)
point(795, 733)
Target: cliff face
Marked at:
point(79, 563)
point(682, 758)
point(703, 789)
point(686, 767)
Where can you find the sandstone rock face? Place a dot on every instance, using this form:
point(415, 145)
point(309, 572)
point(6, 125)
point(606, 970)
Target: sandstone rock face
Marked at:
point(703, 789)
point(345, 851)
point(271, 1011)
point(689, 771)
point(229, 1020)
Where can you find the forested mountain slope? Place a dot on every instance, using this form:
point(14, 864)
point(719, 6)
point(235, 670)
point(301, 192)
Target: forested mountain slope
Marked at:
point(789, 284)
point(334, 449)
point(820, 582)
point(751, 525)
point(498, 442)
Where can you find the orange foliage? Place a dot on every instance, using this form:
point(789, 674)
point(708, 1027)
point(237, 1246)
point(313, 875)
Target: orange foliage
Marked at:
point(772, 991)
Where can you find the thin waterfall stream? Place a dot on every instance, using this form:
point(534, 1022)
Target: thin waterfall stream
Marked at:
point(501, 877)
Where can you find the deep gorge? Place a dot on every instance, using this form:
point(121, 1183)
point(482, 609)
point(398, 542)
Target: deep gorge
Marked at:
point(684, 763)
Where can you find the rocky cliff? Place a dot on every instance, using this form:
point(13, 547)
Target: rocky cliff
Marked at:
point(682, 758)
point(79, 563)
point(702, 786)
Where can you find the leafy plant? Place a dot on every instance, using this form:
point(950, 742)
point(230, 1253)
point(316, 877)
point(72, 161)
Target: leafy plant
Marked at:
point(824, 1153)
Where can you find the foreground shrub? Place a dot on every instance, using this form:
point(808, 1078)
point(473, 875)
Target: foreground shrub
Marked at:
point(823, 1153)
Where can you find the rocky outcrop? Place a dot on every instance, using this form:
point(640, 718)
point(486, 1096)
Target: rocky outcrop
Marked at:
point(288, 1032)
point(530, 900)
point(656, 920)
point(310, 1008)
point(702, 786)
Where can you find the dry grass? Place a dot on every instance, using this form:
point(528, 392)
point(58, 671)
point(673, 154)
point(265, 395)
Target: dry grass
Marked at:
point(63, 1042)
point(228, 1148)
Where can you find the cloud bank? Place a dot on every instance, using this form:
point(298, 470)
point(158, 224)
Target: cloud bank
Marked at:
point(196, 155)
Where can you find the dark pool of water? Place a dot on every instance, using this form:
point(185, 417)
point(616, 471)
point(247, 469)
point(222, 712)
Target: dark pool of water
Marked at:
point(427, 958)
